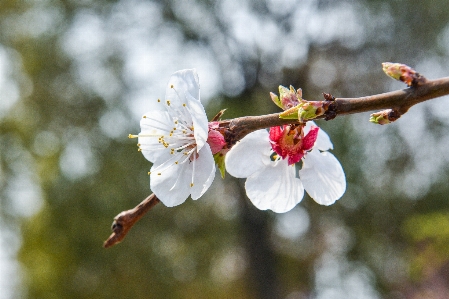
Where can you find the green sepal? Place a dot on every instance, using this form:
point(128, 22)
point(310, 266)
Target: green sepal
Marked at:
point(219, 159)
point(306, 114)
point(291, 113)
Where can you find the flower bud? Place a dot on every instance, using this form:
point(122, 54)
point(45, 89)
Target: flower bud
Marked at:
point(215, 139)
point(384, 117)
point(310, 110)
point(401, 72)
point(288, 98)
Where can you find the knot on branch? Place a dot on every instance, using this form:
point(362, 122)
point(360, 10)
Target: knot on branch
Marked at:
point(330, 106)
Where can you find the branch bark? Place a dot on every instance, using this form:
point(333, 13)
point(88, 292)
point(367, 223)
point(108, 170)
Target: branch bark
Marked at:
point(126, 219)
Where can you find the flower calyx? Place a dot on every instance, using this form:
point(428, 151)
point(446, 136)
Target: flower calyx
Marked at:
point(217, 144)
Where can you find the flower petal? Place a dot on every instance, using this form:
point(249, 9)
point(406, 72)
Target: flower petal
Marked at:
point(323, 177)
point(181, 84)
point(172, 185)
point(199, 120)
point(204, 172)
point(275, 187)
point(249, 155)
point(154, 124)
point(323, 142)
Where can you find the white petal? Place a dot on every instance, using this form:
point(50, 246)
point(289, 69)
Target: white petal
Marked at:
point(323, 142)
point(204, 172)
point(172, 186)
point(323, 177)
point(155, 123)
point(180, 84)
point(275, 188)
point(249, 155)
point(199, 120)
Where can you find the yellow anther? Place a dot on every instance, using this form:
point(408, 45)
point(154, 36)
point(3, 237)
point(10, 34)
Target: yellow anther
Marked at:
point(184, 105)
point(159, 173)
point(139, 149)
point(132, 136)
point(144, 116)
point(174, 129)
point(158, 100)
point(176, 162)
point(176, 122)
point(191, 184)
point(171, 86)
point(138, 144)
point(168, 102)
point(149, 172)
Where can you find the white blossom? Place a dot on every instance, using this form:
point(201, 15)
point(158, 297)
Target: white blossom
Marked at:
point(274, 184)
point(174, 138)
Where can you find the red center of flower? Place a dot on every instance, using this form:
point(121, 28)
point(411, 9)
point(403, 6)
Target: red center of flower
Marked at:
point(289, 141)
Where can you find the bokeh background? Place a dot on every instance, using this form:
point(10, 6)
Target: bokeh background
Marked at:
point(75, 78)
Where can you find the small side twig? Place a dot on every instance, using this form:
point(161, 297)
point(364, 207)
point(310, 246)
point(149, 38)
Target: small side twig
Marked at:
point(126, 219)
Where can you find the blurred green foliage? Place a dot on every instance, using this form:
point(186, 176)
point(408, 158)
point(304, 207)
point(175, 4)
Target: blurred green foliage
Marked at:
point(67, 106)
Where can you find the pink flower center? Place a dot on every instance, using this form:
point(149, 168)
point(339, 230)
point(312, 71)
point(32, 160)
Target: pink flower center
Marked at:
point(288, 141)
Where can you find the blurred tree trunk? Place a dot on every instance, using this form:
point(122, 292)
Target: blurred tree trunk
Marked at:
point(260, 255)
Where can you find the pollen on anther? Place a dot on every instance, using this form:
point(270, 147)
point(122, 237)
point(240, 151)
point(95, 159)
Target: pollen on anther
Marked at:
point(168, 102)
point(158, 100)
point(149, 172)
point(138, 144)
point(176, 162)
point(159, 173)
point(184, 105)
point(139, 149)
point(191, 184)
point(144, 116)
point(171, 86)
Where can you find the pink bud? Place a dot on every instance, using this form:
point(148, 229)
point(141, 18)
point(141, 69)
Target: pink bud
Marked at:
point(216, 141)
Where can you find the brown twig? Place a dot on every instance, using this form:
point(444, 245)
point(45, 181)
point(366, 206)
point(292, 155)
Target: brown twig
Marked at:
point(126, 219)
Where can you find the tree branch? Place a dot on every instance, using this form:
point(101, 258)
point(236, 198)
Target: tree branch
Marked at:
point(126, 219)
point(235, 129)
point(400, 100)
